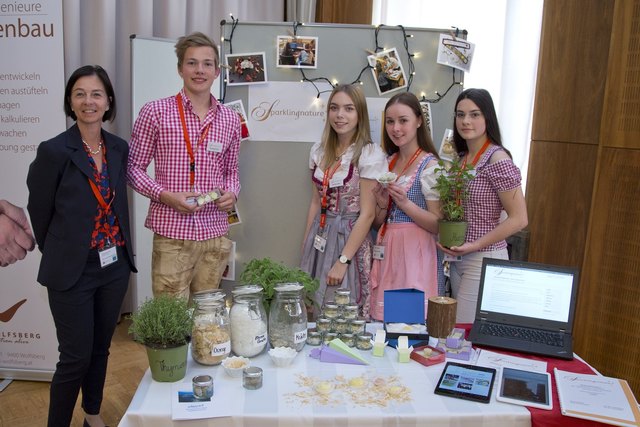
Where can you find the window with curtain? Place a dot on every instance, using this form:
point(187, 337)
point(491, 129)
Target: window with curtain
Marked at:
point(506, 34)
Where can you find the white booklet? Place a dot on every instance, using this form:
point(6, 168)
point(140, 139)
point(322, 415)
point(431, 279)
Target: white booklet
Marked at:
point(491, 359)
point(598, 398)
point(184, 406)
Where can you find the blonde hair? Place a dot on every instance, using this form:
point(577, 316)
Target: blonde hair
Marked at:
point(196, 39)
point(361, 137)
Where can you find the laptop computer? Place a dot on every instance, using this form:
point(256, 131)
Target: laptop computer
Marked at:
point(526, 307)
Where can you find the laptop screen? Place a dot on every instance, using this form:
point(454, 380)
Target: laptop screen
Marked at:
point(527, 290)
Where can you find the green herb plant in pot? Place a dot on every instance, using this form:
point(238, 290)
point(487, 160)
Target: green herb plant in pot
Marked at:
point(268, 273)
point(452, 185)
point(164, 324)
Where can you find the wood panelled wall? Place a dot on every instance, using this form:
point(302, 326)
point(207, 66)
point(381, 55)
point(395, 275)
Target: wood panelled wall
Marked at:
point(344, 12)
point(583, 191)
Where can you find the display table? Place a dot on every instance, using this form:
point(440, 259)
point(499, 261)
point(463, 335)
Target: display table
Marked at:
point(276, 403)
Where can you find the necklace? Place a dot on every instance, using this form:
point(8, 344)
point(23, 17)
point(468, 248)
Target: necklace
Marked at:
point(341, 154)
point(97, 150)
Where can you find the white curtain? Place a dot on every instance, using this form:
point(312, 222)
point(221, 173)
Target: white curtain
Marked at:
point(98, 32)
point(507, 38)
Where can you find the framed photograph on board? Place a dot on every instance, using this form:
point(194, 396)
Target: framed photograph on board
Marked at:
point(426, 114)
point(447, 148)
point(230, 270)
point(233, 216)
point(455, 52)
point(238, 107)
point(246, 69)
point(297, 52)
point(387, 71)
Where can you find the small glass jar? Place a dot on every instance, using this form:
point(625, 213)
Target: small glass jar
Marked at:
point(252, 378)
point(330, 310)
point(211, 338)
point(202, 387)
point(357, 326)
point(248, 321)
point(288, 317)
point(327, 337)
point(314, 337)
point(323, 324)
point(350, 311)
point(341, 325)
point(342, 296)
point(348, 339)
point(363, 341)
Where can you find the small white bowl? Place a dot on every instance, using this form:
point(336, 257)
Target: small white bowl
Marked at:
point(282, 356)
point(234, 365)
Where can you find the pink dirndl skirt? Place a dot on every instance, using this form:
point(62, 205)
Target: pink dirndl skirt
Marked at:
point(410, 261)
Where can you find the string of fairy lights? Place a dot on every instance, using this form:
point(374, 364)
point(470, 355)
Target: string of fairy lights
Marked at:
point(411, 68)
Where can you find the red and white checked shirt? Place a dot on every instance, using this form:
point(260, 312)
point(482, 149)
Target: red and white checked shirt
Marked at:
point(483, 207)
point(157, 135)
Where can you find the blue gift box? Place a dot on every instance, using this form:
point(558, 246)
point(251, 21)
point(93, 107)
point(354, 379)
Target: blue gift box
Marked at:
point(404, 306)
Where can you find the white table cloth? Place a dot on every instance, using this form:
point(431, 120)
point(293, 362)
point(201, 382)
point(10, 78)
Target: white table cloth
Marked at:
point(274, 405)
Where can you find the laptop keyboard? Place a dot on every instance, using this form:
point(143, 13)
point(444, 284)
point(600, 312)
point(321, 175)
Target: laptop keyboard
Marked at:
point(534, 335)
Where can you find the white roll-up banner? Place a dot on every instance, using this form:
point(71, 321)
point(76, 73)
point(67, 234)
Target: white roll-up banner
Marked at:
point(31, 111)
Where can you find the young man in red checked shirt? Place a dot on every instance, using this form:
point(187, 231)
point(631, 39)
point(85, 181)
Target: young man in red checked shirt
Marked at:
point(194, 142)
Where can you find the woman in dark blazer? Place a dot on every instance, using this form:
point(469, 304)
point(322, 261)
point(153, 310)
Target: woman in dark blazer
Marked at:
point(80, 218)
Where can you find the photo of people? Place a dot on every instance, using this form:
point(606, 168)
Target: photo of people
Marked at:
point(238, 107)
point(230, 270)
point(387, 71)
point(246, 68)
point(297, 52)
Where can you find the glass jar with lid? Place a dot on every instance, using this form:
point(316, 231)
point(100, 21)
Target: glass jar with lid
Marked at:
point(210, 341)
point(248, 321)
point(288, 317)
point(342, 296)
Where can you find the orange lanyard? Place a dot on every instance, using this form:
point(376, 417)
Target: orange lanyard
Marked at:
point(478, 154)
point(392, 163)
point(187, 141)
point(328, 174)
point(105, 207)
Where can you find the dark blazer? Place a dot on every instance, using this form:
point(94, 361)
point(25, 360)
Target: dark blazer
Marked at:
point(62, 205)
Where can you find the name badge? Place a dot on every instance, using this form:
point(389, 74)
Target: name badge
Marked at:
point(378, 252)
point(108, 256)
point(319, 243)
point(336, 182)
point(214, 147)
point(452, 258)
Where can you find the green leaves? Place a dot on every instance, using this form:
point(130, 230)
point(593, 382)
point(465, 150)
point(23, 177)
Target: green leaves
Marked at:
point(452, 185)
point(162, 322)
point(268, 273)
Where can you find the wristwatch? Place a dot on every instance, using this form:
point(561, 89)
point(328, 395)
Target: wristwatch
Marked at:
point(344, 260)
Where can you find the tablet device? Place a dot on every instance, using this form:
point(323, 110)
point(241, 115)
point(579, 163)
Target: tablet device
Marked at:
point(525, 388)
point(466, 382)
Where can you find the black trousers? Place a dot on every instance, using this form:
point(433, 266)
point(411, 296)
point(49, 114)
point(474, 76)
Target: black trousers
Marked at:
point(85, 317)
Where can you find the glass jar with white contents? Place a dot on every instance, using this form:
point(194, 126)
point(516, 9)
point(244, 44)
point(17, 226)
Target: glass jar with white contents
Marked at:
point(248, 321)
point(288, 317)
point(211, 340)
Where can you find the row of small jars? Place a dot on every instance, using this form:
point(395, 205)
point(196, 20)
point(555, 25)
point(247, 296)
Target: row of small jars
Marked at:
point(340, 325)
point(333, 310)
point(361, 341)
point(244, 329)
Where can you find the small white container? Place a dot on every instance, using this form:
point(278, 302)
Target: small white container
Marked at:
point(282, 356)
point(234, 365)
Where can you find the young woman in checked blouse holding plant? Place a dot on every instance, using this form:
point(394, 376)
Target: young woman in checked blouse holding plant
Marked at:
point(496, 188)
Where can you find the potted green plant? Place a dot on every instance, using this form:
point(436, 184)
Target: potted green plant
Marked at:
point(268, 273)
point(452, 185)
point(164, 325)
